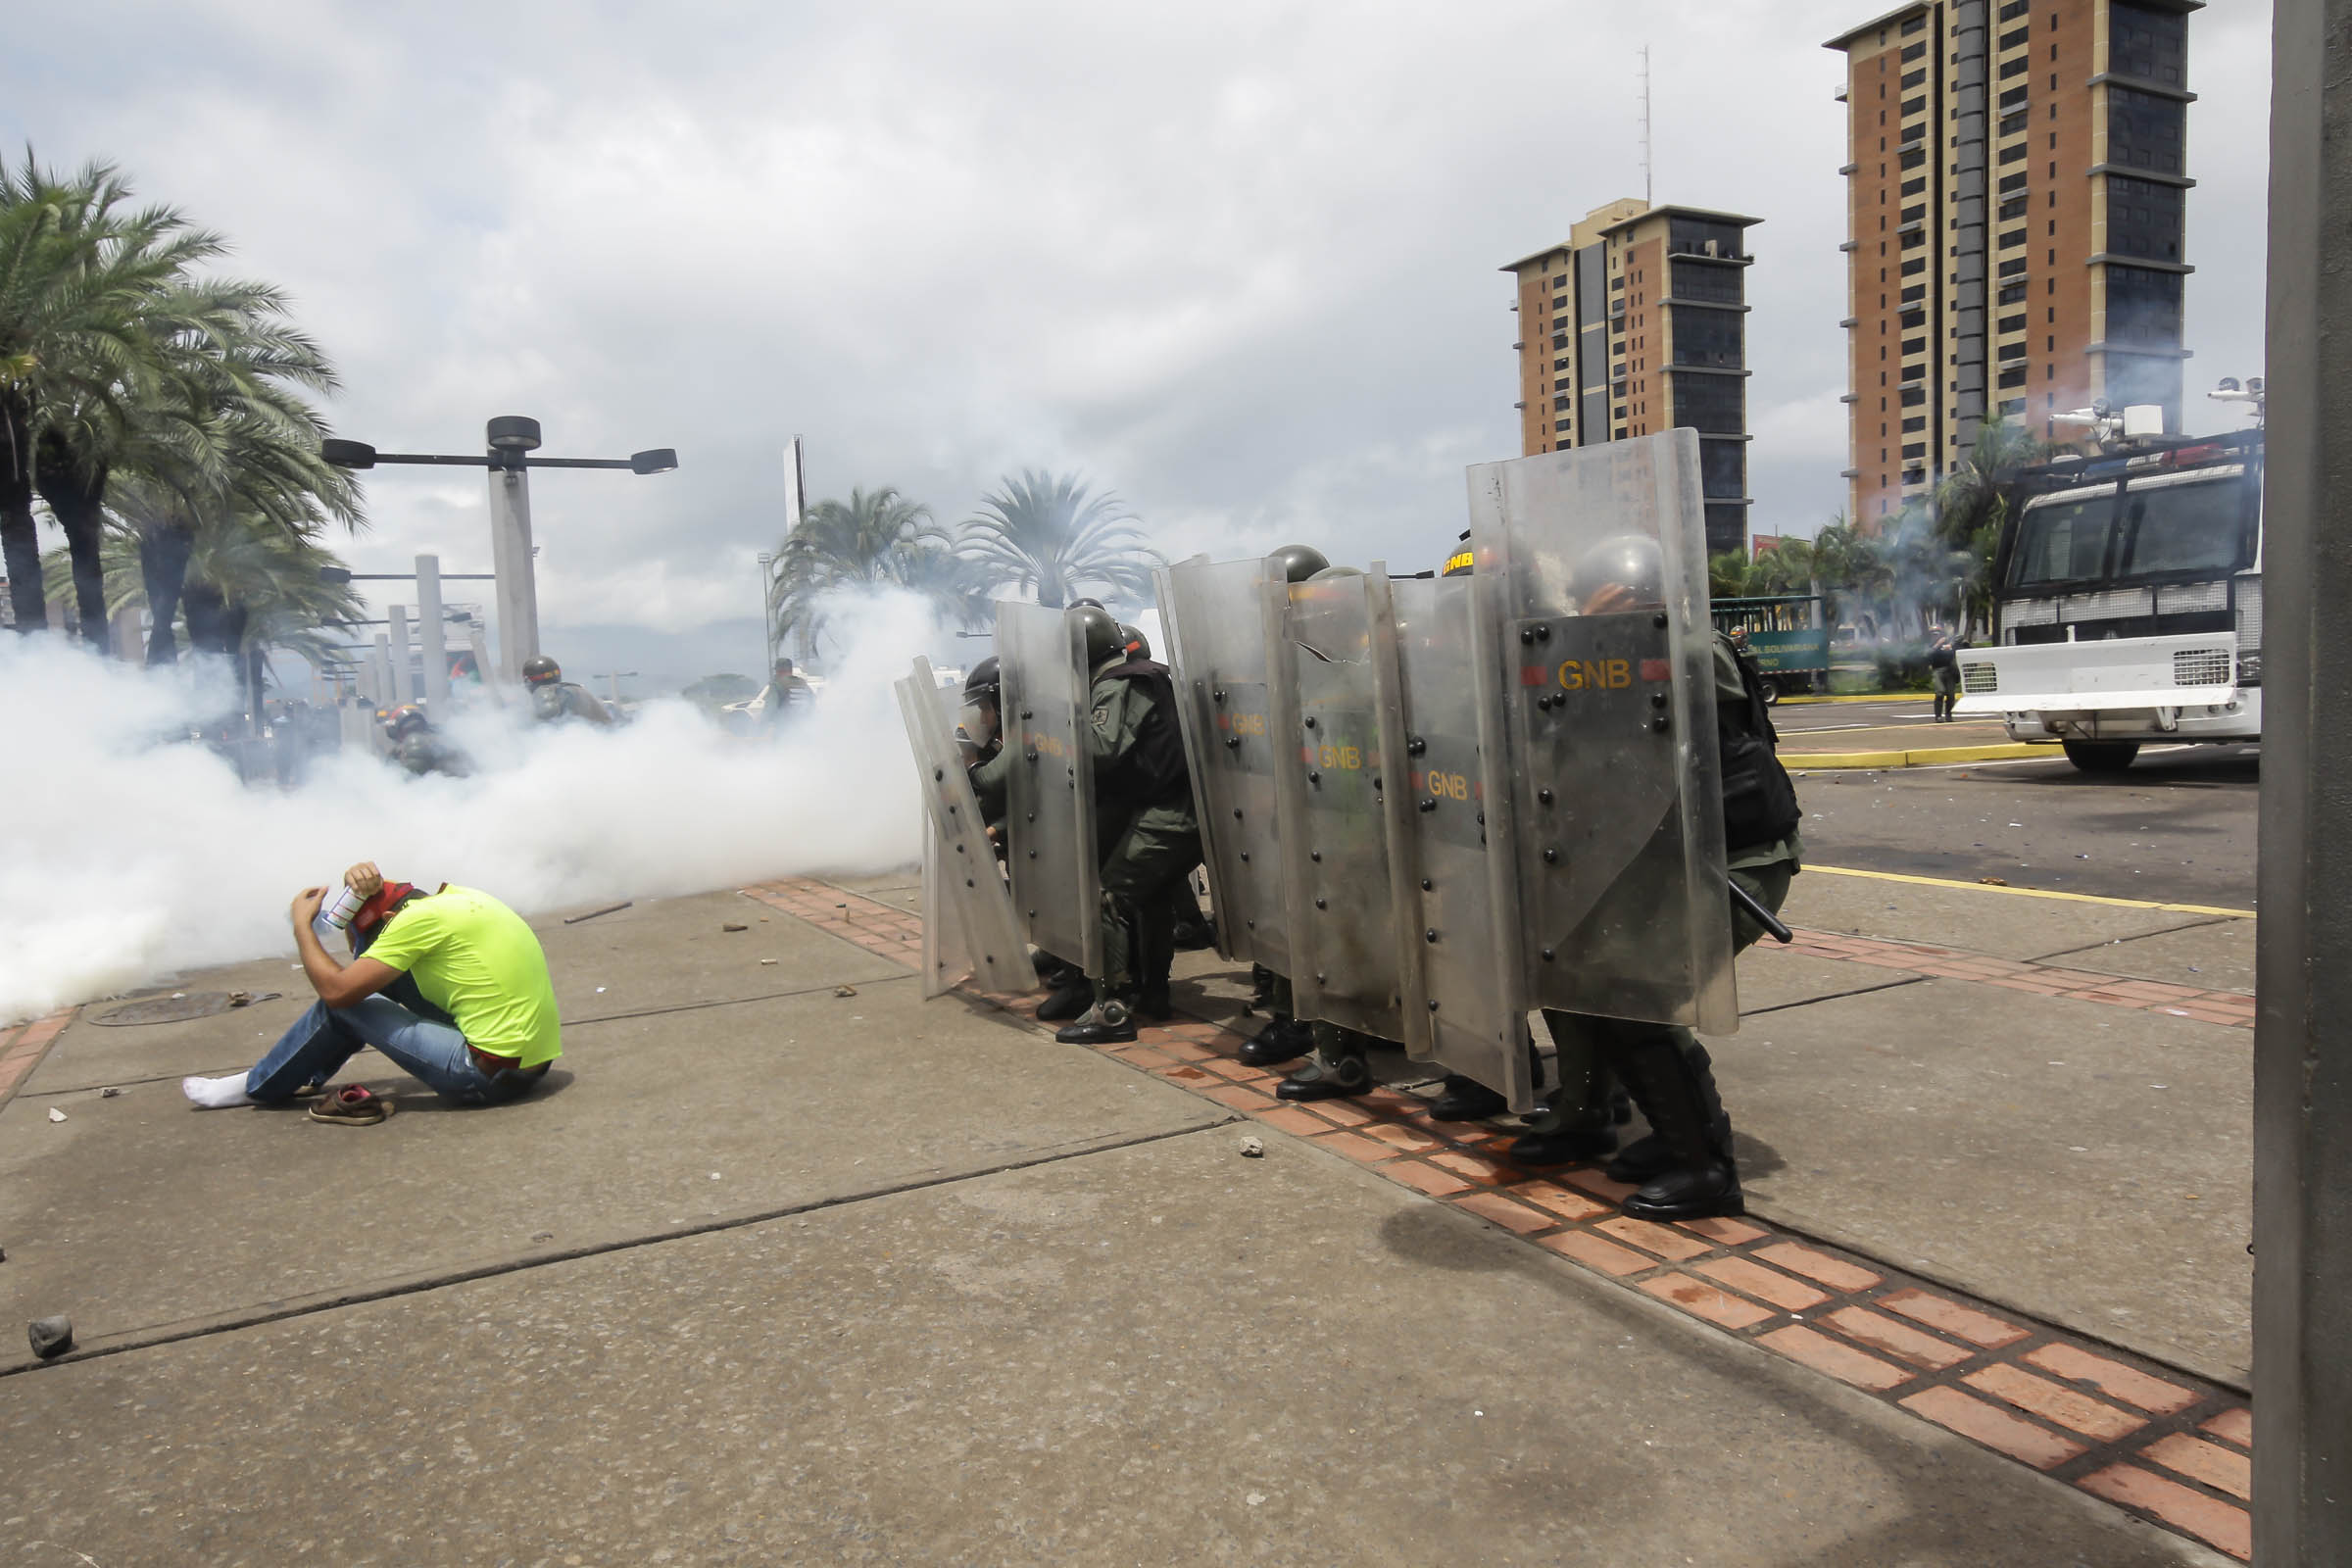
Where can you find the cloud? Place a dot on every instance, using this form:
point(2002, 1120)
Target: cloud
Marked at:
point(1237, 262)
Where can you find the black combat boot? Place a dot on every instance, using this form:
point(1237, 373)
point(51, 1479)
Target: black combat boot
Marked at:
point(1466, 1099)
point(1328, 1076)
point(1108, 1023)
point(1284, 1040)
point(1675, 1089)
point(1570, 1144)
point(1071, 997)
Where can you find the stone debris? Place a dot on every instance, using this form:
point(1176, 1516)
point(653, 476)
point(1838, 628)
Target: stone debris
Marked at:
point(50, 1336)
point(56, 1114)
point(734, 925)
point(845, 991)
point(109, 1093)
point(768, 960)
point(1253, 1148)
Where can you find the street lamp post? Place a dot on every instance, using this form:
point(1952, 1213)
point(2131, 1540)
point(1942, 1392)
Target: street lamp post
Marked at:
point(511, 438)
point(768, 610)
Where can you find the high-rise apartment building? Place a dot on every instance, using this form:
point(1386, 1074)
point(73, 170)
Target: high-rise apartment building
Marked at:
point(2015, 173)
point(1637, 324)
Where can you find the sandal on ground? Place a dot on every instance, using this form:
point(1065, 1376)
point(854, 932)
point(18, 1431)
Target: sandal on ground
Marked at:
point(353, 1106)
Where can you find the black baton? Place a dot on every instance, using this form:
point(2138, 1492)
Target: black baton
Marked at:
point(1741, 899)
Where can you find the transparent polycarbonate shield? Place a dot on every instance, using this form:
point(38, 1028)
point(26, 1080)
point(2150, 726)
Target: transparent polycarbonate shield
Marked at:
point(1331, 787)
point(1590, 575)
point(1049, 790)
point(1221, 620)
point(969, 929)
point(1458, 962)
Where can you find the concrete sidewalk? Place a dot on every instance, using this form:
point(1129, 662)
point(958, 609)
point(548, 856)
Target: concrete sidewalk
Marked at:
point(770, 1272)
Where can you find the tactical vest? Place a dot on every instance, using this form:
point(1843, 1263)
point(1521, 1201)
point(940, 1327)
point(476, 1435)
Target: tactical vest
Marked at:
point(1152, 772)
point(1759, 803)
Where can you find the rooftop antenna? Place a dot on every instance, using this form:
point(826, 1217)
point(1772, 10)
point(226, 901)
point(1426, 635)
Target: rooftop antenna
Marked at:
point(1648, 196)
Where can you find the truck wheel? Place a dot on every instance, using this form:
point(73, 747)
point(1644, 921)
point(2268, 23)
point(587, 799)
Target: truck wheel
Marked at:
point(1772, 692)
point(2101, 757)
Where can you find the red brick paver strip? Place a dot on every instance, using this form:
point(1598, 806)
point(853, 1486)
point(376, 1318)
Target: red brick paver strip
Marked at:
point(1896, 1338)
point(1502, 1211)
point(1996, 1429)
point(2222, 1524)
point(1961, 1322)
point(2218, 1467)
point(1295, 1122)
point(2056, 1403)
point(2113, 1379)
point(1780, 1290)
point(1839, 1359)
point(1341, 1113)
point(1593, 1182)
point(1477, 1167)
point(1561, 1202)
point(1405, 1137)
point(2233, 1426)
point(1701, 1300)
point(1595, 1253)
point(1725, 1232)
point(1820, 1267)
point(1363, 1150)
point(1667, 1244)
point(1422, 1178)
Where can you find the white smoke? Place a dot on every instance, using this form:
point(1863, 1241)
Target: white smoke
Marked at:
point(123, 859)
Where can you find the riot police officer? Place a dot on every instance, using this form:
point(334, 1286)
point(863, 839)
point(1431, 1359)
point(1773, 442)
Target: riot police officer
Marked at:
point(980, 732)
point(555, 699)
point(1684, 1168)
point(1143, 801)
point(417, 747)
point(1284, 1038)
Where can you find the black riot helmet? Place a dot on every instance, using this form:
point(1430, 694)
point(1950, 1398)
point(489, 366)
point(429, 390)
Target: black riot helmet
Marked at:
point(1463, 560)
point(404, 721)
point(539, 669)
point(1103, 640)
point(1299, 561)
point(1329, 573)
point(1132, 639)
point(1627, 573)
point(1085, 604)
point(983, 684)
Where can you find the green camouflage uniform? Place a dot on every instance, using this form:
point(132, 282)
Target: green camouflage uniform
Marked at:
point(1146, 845)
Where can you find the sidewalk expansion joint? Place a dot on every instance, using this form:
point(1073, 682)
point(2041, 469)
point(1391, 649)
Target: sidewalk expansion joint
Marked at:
point(157, 1336)
point(2158, 1442)
point(1834, 995)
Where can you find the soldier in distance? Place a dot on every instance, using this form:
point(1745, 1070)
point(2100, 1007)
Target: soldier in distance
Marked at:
point(789, 698)
point(1191, 927)
point(555, 699)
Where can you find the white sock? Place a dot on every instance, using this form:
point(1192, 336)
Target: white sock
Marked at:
point(217, 1092)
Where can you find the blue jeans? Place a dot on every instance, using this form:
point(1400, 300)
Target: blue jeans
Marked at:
point(419, 1037)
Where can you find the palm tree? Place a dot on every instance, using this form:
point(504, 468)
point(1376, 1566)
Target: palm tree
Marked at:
point(1044, 532)
point(1728, 573)
point(77, 273)
point(875, 539)
point(1973, 494)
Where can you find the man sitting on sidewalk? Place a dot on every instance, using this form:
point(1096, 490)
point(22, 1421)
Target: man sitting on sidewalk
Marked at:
point(452, 986)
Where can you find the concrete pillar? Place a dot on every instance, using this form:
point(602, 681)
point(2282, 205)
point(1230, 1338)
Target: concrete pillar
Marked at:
point(403, 687)
point(381, 664)
point(2302, 1504)
point(432, 634)
point(510, 559)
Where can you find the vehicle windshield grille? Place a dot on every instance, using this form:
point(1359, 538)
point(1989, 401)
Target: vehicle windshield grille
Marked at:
point(2201, 666)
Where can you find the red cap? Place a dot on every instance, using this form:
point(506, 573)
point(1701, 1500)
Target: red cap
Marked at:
point(388, 898)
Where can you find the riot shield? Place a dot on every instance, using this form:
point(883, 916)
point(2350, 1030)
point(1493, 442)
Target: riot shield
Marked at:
point(1049, 793)
point(1330, 790)
point(1464, 997)
point(1221, 619)
point(968, 922)
point(1591, 577)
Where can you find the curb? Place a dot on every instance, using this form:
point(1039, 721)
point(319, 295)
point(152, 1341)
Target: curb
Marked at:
point(1857, 697)
point(1926, 756)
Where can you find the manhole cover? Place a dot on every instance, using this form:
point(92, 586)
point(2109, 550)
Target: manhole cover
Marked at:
point(177, 1006)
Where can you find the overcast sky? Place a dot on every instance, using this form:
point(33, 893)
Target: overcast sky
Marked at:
point(1237, 262)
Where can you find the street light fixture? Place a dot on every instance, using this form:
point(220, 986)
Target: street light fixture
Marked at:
point(511, 439)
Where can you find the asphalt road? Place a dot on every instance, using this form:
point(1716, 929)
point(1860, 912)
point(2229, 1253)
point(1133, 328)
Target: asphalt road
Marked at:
point(2176, 828)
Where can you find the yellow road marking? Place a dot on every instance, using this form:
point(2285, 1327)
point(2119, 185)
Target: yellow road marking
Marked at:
point(2033, 893)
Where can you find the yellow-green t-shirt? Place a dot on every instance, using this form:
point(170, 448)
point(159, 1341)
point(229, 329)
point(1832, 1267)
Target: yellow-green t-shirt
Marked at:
point(473, 959)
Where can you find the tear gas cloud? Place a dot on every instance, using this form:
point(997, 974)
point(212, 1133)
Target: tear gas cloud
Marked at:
point(124, 861)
